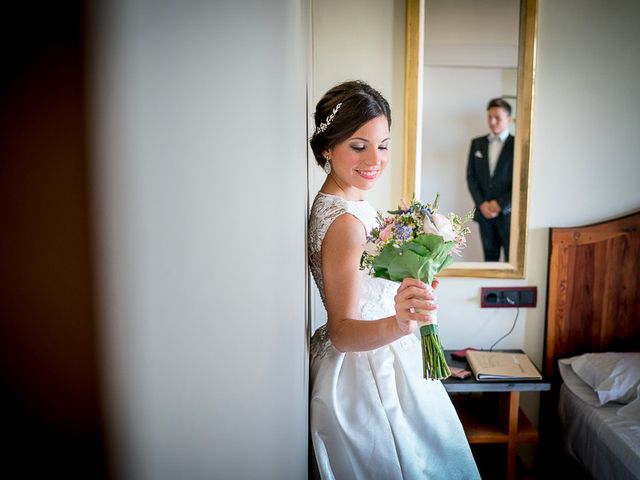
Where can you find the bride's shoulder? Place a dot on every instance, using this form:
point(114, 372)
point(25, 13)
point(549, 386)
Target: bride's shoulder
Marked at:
point(346, 225)
point(343, 218)
point(327, 208)
point(344, 240)
point(327, 199)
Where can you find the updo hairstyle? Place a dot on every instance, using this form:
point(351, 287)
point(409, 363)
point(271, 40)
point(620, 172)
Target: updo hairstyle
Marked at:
point(359, 104)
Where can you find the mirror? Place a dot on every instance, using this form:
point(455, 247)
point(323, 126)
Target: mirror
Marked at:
point(452, 70)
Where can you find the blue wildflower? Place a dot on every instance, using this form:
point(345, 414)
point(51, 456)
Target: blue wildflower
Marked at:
point(403, 232)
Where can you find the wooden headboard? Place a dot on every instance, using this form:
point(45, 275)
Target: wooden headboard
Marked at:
point(593, 297)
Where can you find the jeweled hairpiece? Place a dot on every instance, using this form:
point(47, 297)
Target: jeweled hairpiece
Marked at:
point(328, 120)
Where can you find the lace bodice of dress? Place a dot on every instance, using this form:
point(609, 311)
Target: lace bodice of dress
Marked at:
point(376, 294)
point(325, 209)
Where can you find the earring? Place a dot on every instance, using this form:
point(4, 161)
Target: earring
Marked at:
point(327, 165)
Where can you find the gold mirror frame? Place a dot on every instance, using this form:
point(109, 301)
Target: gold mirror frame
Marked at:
point(414, 64)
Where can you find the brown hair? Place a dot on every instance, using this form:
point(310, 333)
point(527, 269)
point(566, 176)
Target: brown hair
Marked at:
point(359, 104)
point(500, 103)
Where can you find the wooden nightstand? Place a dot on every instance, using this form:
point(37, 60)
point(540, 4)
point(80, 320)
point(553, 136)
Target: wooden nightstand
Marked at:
point(490, 411)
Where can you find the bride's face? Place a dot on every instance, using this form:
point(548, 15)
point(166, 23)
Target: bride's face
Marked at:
point(359, 160)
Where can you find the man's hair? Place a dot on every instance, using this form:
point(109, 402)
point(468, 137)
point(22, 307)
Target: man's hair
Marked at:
point(501, 103)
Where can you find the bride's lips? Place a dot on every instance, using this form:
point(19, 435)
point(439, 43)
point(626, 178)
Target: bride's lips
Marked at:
point(368, 174)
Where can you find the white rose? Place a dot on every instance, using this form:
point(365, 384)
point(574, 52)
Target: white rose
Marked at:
point(440, 225)
point(371, 248)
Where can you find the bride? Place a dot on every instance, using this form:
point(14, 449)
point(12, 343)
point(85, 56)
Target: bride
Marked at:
point(373, 415)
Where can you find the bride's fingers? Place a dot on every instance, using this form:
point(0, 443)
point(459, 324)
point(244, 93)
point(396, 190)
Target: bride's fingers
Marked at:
point(420, 317)
point(414, 316)
point(411, 282)
point(413, 305)
point(412, 290)
point(411, 318)
point(415, 292)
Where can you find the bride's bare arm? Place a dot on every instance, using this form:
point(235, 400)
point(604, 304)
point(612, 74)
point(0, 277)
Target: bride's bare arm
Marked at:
point(342, 248)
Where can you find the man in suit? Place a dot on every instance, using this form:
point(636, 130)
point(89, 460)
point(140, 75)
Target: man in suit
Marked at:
point(489, 177)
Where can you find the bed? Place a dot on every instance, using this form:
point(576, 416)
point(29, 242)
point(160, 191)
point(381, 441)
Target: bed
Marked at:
point(593, 314)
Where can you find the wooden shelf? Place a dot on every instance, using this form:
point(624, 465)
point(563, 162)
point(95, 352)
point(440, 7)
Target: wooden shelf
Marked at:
point(482, 423)
point(490, 412)
point(527, 433)
point(495, 418)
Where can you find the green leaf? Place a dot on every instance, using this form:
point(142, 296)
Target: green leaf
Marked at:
point(421, 258)
point(431, 242)
point(447, 261)
point(382, 261)
point(406, 265)
point(381, 273)
point(416, 247)
point(426, 271)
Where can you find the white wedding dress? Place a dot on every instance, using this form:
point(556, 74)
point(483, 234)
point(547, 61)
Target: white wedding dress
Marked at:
point(373, 415)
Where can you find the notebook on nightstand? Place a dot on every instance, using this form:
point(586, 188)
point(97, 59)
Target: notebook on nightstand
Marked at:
point(492, 366)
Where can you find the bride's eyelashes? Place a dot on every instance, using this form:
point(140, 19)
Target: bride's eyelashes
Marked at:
point(362, 148)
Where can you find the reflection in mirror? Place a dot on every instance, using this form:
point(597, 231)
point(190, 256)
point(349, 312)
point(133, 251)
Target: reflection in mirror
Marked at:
point(461, 54)
point(470, 57)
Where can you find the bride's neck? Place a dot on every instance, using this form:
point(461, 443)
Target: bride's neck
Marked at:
point(333, 187)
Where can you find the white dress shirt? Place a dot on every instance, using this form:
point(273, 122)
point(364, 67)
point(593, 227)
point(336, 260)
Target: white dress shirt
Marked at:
point(495, 147)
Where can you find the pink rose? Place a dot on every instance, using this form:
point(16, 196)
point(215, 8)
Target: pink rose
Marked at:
point(385, 233)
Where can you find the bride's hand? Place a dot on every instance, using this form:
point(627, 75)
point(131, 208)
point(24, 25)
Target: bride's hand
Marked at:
point(414, 296)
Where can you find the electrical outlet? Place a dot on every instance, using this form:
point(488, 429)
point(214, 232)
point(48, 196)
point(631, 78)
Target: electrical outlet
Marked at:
point(508, 297)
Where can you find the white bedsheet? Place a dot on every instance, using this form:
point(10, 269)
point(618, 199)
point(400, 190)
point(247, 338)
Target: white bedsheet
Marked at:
point(606, 443)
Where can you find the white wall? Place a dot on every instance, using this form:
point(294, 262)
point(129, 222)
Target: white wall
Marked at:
point(360, 40)
point(201, 192)
point(469, 22)
point(586, 138)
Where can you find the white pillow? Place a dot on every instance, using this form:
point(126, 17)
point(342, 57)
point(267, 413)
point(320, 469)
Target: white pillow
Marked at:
point(613, 376)
point(632, 409)
point(575, 384)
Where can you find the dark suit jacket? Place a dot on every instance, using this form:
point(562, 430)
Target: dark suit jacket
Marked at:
point(483, 187)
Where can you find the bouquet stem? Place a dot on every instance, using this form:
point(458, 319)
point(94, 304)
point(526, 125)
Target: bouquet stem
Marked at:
point(433, 360)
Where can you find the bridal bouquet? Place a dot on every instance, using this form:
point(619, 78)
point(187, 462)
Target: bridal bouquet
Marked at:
point(418, 242)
